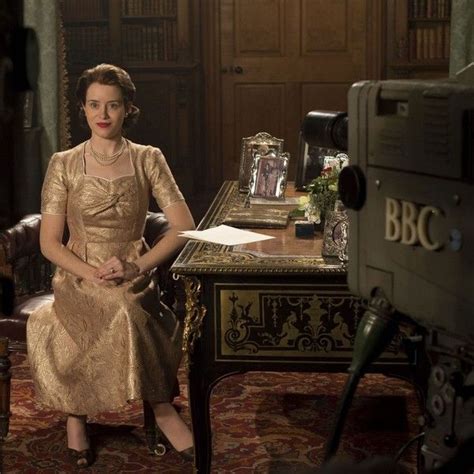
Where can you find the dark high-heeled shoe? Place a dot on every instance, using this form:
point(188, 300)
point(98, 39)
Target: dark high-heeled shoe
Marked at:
point(81, 459)
point(85, 457)
point(186, 454)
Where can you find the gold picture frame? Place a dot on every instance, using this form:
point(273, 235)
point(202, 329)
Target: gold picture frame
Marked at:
point(263, 144)
point(336, 234)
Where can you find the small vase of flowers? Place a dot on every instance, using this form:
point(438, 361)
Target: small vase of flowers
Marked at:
point(322, 191)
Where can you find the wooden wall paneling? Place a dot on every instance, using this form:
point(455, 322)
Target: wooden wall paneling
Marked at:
point(78, 133)
point(253, 51)
point(115, 31)
point(184, 31)
point(333, 40)
point(211, 97)
point(319, 50)
point(157, 125)
point(259, 27)
point(167, 121)
point(187, 160)
point(376, 39)
point(250, 100)
point(324, 26)
point(320, 96)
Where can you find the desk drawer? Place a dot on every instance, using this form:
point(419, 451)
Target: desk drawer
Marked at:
point(257, 322)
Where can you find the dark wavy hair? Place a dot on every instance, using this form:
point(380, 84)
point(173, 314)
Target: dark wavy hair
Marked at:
point(109, 75)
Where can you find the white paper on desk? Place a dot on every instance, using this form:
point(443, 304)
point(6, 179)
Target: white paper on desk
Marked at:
point(225, 235)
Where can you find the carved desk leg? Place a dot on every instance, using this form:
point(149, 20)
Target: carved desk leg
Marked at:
point(199, 397)
point(5, 377)
point(198, 387)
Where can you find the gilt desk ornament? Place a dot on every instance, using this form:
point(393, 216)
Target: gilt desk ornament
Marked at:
point(336, 233)
point(262, 143)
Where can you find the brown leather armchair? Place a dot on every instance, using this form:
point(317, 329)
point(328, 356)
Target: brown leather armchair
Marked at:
point(21, 260)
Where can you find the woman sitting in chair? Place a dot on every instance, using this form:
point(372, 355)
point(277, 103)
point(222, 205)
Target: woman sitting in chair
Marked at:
point(107, 339)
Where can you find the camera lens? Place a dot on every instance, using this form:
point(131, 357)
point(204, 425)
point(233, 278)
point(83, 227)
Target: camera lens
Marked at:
point(325, 129)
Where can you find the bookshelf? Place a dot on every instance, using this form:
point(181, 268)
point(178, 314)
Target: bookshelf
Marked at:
point(418, 38)
point(156, 41)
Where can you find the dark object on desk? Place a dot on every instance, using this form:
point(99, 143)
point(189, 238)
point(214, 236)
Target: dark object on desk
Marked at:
point(304, 230)
point(257, 217)
point(309, 162)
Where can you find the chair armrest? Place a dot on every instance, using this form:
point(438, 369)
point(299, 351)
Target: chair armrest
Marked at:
point(21, 240)
point(21, 259)
point(155, 228)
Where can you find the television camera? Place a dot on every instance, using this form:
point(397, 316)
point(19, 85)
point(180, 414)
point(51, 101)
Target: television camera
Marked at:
point(409, 190)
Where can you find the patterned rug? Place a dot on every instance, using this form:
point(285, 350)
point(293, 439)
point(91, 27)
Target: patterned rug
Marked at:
point(262, 422)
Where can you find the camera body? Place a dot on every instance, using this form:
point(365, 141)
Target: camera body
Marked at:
point(411, 145)
point(409, 191)
point(412, 237)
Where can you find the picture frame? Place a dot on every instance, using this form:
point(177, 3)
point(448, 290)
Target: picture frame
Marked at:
point(269, 176)
point(336, 235)
point(310, 162)
point(263, 144)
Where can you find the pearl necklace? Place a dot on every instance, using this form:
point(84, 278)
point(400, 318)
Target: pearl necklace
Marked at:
point(106, 160)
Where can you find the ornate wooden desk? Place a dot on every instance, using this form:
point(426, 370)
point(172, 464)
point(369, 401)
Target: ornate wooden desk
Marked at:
point(274, 305)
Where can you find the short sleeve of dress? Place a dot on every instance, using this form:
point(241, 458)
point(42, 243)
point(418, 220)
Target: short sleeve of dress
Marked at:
point(54, 191)
point(163, 186)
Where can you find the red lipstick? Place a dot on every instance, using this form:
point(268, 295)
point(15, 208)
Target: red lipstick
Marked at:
point(103, 124)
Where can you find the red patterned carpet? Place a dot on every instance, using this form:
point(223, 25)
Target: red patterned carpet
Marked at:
point(262, 423)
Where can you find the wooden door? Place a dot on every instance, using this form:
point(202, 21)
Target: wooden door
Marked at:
point(279, 59)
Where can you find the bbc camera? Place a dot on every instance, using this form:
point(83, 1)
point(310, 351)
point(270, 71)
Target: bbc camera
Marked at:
point(409, 190)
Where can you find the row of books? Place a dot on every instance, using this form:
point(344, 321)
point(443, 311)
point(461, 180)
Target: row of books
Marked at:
point(149, 7)
point(150, 42)
point(429, 8)
point(429, 42)
point(77, 10)
point(82, 42)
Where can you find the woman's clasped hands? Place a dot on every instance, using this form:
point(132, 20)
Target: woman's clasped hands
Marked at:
point(117, 270)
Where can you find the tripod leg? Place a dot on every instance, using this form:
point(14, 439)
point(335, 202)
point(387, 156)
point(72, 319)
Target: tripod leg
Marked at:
point(374, 333)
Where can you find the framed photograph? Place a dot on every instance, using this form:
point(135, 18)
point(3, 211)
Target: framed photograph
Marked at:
point(263, 144)
point(336, 235)
point(310, 163)
point(268, 177)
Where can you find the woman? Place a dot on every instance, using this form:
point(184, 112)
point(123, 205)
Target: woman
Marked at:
point(106, 339)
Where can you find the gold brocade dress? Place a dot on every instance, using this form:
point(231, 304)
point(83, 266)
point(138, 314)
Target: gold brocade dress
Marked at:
point(97, 347)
